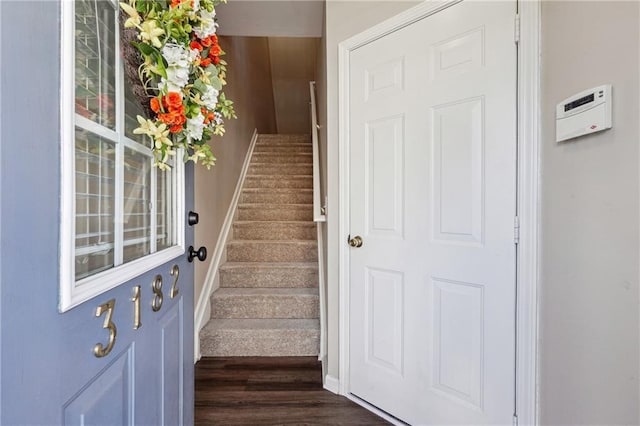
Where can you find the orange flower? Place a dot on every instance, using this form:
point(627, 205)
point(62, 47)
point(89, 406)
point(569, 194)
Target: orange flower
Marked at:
point(172, 118)
point(205, 62)
point(173, 99)
point(195, 45)
point(216, 60)
point(215, 50)
point(206, 42)
point(176, 128)
point(155, 105)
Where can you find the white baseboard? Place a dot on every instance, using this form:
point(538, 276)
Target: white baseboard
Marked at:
point(332, 384)
point(202, 312)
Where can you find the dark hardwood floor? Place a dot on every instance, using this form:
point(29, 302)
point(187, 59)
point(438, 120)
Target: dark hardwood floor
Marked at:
point(270, 391)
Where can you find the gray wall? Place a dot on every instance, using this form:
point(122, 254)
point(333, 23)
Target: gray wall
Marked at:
point(249, 86)
point(589, 278)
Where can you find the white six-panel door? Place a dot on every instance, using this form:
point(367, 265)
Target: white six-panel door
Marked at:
point(432, 165)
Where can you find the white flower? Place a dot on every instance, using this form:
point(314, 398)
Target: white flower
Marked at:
point(177, 78)
point(176, 55)
point(196, 5)
point(193, 55)
point(207, 25)
point(210, 98)
point(195, 126)
point(218, 118)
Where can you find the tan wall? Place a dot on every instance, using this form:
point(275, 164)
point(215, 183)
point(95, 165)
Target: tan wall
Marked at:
point(589, 277)
point(343, 20)
point(249, 86)
point(293, 66)
point(271, 18)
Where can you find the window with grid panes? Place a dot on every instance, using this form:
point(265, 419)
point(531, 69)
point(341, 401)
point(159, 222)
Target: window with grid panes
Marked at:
point(125, 209)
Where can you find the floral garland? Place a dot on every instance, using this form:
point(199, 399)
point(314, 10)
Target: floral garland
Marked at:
point(183, 75)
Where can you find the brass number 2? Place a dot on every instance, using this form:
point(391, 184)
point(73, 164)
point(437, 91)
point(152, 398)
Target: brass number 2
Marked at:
point(156, 286)
point(99, 350)
point(175, 273)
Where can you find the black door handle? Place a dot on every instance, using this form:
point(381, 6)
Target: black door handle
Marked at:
point(193, 218)
point(201, 254)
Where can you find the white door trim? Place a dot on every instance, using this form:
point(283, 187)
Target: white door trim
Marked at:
point(528, 192)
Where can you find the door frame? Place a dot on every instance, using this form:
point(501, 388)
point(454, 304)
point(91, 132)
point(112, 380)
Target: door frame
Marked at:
point(528, 176)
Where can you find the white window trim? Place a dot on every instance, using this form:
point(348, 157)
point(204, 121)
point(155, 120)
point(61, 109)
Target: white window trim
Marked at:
point(72, 292)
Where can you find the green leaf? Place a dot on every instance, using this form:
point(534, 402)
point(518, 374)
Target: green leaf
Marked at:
point(144, 48)
point(162, 69)
point(215, 82)
point(212, 70)
point(200, 86)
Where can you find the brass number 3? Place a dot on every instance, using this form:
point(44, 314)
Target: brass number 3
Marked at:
point(156, 286)
point(99, 350)
point(175, 273)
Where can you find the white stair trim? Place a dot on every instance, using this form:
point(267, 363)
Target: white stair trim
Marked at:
point(202, 312)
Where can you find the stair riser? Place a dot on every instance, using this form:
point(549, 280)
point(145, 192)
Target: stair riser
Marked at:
point(275, 214)
point(262, 306)
point(280, 139)
point(229, 343)
point(293, 197)
point(268, 278)
point(271, 252)
point(287, 182)
point(282, 149)
point(282, 169)
point(266, 231)
point(282, 159)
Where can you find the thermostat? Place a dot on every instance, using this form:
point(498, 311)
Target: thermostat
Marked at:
point(584, 113)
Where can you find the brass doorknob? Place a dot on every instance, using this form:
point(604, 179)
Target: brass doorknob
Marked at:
point(355, 241)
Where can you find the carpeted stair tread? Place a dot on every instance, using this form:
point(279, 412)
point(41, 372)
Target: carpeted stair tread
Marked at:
point(276, 196)
point(265, 303)
point(272, 251)
point(286, 181)
point(271, 230)
point(269, 274)
point(260, 337)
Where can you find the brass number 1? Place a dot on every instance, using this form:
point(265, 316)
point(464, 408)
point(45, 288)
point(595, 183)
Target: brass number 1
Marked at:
point(99, 350)
point(137, 323)
point(156, 286)
point(175, 273)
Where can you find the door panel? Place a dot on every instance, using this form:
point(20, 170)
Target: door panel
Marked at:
point(50, 374)
point(432, 193)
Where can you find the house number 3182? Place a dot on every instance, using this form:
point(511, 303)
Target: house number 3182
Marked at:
point(100, 350)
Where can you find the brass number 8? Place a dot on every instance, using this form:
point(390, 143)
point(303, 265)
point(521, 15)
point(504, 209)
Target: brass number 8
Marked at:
point(156, 286)
point(99, 350)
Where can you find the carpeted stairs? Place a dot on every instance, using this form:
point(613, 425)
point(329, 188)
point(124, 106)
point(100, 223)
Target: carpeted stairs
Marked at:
point(267, 303)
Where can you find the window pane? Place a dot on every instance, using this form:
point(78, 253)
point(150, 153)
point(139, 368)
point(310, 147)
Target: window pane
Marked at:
point(95, 61)
point(137, 205)
point(165, 200)
point(95, 203)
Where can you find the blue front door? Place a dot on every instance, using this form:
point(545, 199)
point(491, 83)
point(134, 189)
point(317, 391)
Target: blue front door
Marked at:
point(50, 373)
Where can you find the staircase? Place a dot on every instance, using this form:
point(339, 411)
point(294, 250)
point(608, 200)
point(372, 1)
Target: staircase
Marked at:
point(267, 303)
